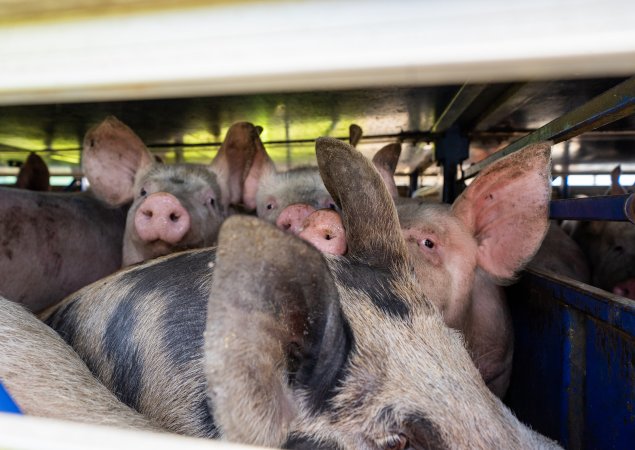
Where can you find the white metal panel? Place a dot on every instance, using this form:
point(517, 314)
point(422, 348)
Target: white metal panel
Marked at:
point(286, 46)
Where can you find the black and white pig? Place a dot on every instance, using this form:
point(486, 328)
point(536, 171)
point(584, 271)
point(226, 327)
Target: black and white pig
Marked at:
point(267, 341)
point(46, 378)
point(52, 244)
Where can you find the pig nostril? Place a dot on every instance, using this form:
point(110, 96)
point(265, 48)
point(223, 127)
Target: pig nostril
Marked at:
point(286, 226)
point(148, 214)
point(174, 217)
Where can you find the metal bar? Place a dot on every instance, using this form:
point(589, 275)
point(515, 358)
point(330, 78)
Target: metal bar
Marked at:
point(464, 97)
point(451, 148)
point(606, 207)
point(604, 306)
point(414, 183)
point(573, 372)
point(404, 136)
point(614, 104)
point(516, 96)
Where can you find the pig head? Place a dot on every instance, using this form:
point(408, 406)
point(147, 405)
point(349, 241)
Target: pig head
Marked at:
point(609, 248)
point(266, 341)
point(174, 207)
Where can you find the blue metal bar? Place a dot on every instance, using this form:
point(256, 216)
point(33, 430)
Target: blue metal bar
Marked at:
point(6, 402)
point(607, 107)
point(609, 207)
point(614, 310)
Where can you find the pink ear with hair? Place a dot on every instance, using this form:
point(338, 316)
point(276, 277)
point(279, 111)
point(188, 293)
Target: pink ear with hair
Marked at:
point(507, 209)
point(239, 156)
point(111, 158)
point(385, 161)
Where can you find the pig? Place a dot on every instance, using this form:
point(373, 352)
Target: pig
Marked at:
point(34, 174)
point(174, 207)
point(267, 341)
point(463, 254)
point(309, 195)
point(52, 244)
point(46, 378)
point(609, 248)
point(560, 254)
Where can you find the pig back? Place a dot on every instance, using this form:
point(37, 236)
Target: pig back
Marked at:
point(46, 377)
point(140, 331)
point(53, 244)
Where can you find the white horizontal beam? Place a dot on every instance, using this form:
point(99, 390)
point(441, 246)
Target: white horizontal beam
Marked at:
point(33, 433)
point(298, 46)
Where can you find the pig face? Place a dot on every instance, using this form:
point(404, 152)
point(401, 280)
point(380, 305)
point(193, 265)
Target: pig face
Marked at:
point(174, 207)
point(277, 191)
point(313, 215)
point(610, 250)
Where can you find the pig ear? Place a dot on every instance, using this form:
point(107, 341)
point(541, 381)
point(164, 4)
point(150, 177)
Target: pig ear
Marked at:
point(385, 161)
point(354, 134)
point(34, 174)
point(616, 188)
point(260, 167)
point(507, 209)
point(368, 212)
point(112, 156)
point(274, 328)
point(241, 154)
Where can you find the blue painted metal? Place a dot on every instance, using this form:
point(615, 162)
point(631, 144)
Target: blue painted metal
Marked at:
point(6, 402)
point(573, 375)
point(450, 149)
point(609, 207)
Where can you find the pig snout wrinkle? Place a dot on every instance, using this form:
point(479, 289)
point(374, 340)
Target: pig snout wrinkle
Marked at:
point(162, 217)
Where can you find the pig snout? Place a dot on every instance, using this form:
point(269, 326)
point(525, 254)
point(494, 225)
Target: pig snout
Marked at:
point(625, 288)
point(324, 229)
point(293, 216)
point(162, 217)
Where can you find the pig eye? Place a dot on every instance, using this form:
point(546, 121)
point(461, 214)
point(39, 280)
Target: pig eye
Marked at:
point(395, 442)
point(332, 206)
point(270, 206)
point(428, 243)
point(143, 192)
point(212, 202)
